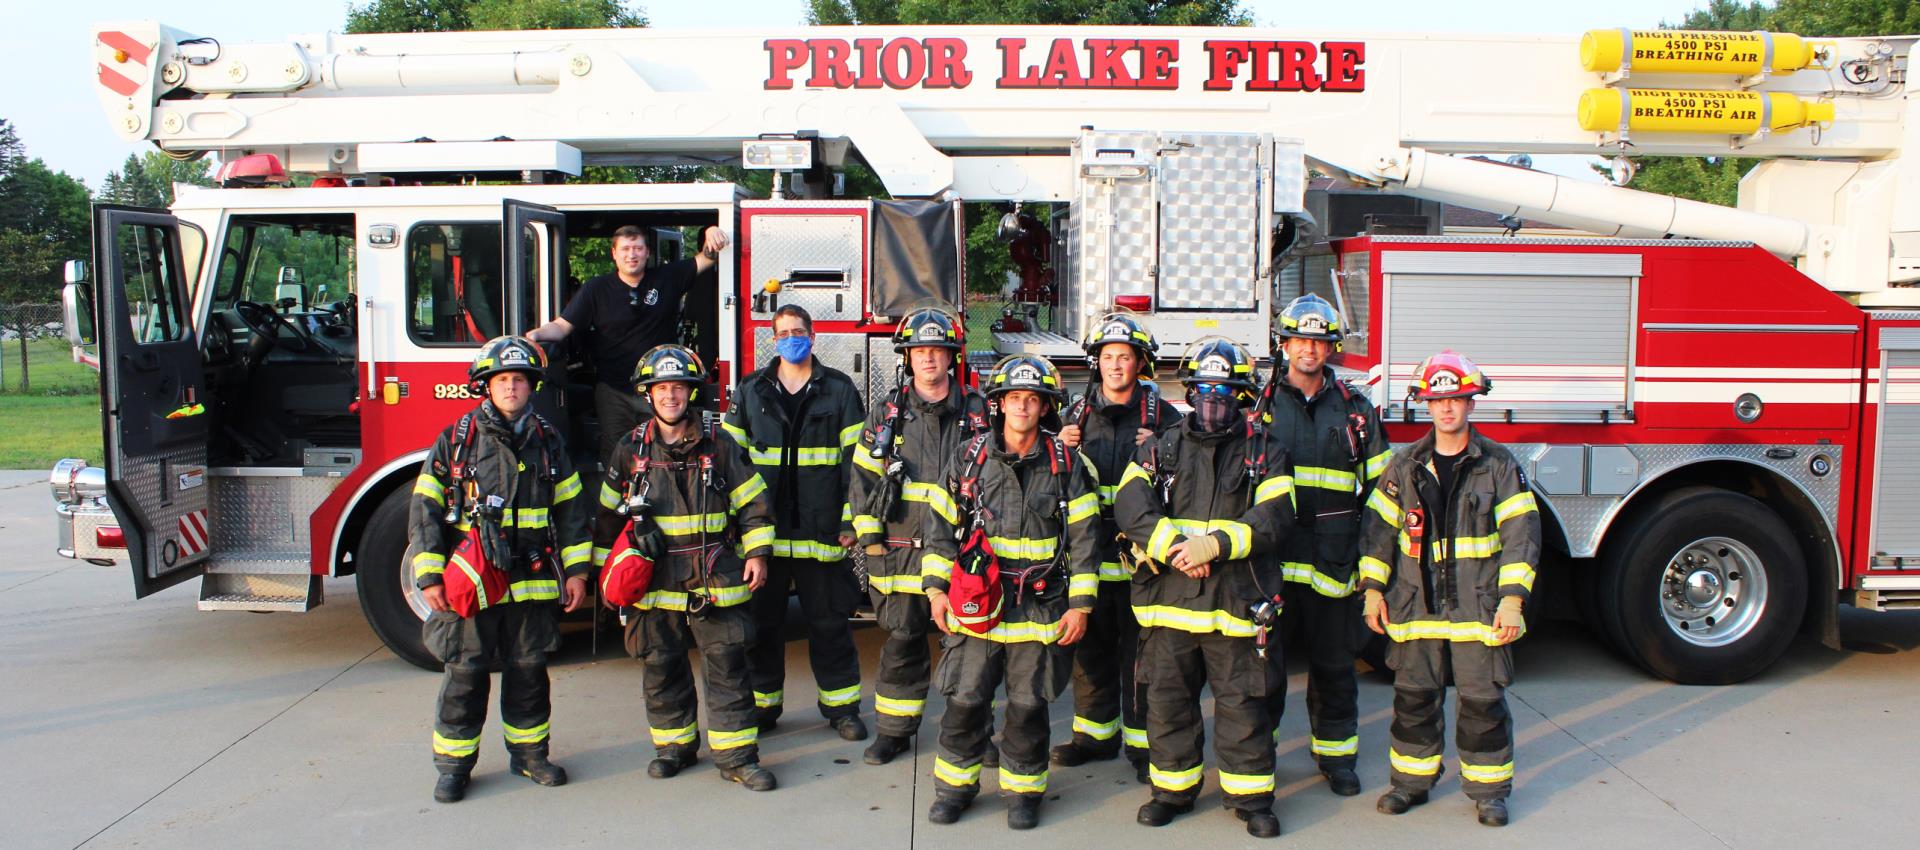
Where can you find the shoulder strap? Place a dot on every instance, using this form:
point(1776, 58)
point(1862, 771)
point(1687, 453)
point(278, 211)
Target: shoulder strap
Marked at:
point(969, 484)
point(1072, 413)
point(1150, 406)
point(975, 408)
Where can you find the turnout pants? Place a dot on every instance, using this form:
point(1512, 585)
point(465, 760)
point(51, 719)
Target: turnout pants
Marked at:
point(513, 638)
point(1327, 628)
point(661, 640)
point(1483, 733)
point(971, 669)
point(1176, 665)
point(1109, 706)
point(906, 663)
point(828, 594)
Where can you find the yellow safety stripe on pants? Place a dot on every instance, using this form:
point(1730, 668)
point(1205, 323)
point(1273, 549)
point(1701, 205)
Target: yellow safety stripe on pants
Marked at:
point(1466, 632)
point(1413, 765)
point(1375, 569)
point(1378, 464)
point(850, 435)
point(681, 525)
point(849, 695)
point(935, 497)
point(1518, 572)
point(430, 487)
point(868, 462)
point(1135, 472)
point(1486, 773)
point(1239, 535)
point(762, 699)
point(718, 740)
point(1086, 584)
point(578, 553)
point(1097, 731)
point(1385, 506)
point(517, 735)
point(1022, 783)
point(1322, 583)
point(1348, 747)
point(600, 556)
point(1173, 780)
point(534, 590)
point(567, 488)
point(864, 524)
point(758, 538)
point(1244, 784)
point(807, 550)
point(1325, 478)
point(455, 747)
point(609, 497)
point(1114, 571)
point(898, 707)
point(1082, 508)
point(1515, 505)
point(671, 737)
point(676, 600)
point(1024, 548)
point(951, 774)
point(428, 564)
point(1273, 488)
point(1187, 620)
point(934, 566)
point(744, 494)
point(903, 583)
point(1005, 632)
point(1135, 738)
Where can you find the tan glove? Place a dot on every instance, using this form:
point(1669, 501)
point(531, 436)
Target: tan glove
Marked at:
point(876, 550)
point(1507, 616)
point(1202, 549)
point(1374, 611)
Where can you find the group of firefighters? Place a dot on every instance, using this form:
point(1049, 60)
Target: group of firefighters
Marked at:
point(1109, 541)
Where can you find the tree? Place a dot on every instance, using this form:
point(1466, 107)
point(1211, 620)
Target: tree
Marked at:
point(48, 205)
point(11, 151)
point(27, 263)
point(147, 180)
point(458, 15)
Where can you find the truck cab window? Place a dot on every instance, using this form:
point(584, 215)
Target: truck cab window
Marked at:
point(454, 284)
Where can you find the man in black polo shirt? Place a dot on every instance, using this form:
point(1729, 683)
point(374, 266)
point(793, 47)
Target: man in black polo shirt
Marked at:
point(624, 315)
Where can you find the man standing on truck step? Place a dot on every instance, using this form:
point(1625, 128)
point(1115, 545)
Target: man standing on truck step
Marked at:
point(1333, 434)
point(1212, 500)
point(1451, 539)
point(1120, 413)
point(798, 419)
point(692, 505)
point(904, 446)
point(496, 523)
point(625, 314)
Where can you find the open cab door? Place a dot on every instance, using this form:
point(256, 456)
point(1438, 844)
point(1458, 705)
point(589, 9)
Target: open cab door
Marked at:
point(533, 258)
point(151, 391)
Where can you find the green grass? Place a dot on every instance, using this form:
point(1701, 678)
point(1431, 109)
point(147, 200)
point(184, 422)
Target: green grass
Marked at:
point(50, 370)
point(42, 429)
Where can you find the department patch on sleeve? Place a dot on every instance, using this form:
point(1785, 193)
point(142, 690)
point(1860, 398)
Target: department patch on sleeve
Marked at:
point(1392, 489)
point(1517, 470)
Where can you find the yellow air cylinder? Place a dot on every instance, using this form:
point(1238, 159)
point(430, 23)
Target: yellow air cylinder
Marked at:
point(1695, 52)
point(1686, 111)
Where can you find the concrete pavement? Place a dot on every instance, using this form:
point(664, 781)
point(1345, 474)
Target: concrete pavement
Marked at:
point(151, 724)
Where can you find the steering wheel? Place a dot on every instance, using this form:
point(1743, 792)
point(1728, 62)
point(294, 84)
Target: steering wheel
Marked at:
point(266, 322)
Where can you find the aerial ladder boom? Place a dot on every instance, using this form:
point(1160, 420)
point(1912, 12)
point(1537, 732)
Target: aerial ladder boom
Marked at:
point(989, 113)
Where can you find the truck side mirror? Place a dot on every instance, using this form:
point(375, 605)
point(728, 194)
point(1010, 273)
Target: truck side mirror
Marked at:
point(76, 272)
point(76, 309)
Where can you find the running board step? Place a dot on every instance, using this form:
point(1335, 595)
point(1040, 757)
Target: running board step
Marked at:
point(260, 592)
point(1886, 600)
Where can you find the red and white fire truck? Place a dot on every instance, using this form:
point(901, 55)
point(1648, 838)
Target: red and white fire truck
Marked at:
point(1718, 407)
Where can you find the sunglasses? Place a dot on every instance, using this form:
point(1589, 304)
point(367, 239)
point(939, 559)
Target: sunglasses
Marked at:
point(1213, 389)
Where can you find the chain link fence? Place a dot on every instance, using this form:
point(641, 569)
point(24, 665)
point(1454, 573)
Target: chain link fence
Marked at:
point(45, 363)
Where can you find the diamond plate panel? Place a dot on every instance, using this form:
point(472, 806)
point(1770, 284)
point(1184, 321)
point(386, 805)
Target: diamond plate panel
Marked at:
point(782, 244)
point(1071, 318)
point(1209, 217)
point(142, 477)
point(1115, 220)
point(846, 352)
point(260, 522)
point(882, 360)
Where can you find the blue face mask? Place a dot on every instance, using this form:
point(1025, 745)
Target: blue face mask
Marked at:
point(794, 349)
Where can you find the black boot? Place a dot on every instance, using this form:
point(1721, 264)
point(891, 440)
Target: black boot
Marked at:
point(1075, 753)
point(767, 719)
point(532, 763)
point(1161, 812)
point(1492, 812)
point(1398, 800)
point(1023, 811)
point(885, 747)
point(450, 788)
point(1341, 779)
point(991, 758)
point(946, 808)
point(1260, 824)
point(668, 763)
point(752, 775)
point(1139, 768)
point(849, 727)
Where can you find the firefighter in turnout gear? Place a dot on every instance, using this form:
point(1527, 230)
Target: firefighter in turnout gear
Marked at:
point(1011, 575)
point(497, 533)
point(688, 501)
point(908, 437)
point(1121, 411)
point(798, 419)
point(1333, 436)
point(1210, 502)
point(1451, 540)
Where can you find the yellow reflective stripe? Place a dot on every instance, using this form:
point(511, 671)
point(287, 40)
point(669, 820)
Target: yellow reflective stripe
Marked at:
point(578, 553)
point(517, 735)
point(1375, 569)
point(1486, 773)
point(739, 433)
point(1239, 534)
point(1323, 584)
point(1135, 472)
point(904, 583)
point(898, 707)
point(864, 524)
point(763, 457)
point(1325, 478)
point(850, 435)
point(1114, 571)
point(535, 590)
point(1187, 620)
point(1246, 783)
point(530, 518)
point(868, 462)
point(567, 488)
point(1022, 783)
point(1466, 632)
point(684, 524)
point(935, 497)
point(455, 747)
point(428, 564)
point(669, 737)
point(1519, 503)
point(430, 487)
point(609, 497)
point(766, 700)
point(1386, 507)
point(935, 566)
point(1083, 584)
point(718, 740)
point(1160, 545)
point(1378, 464)
point(1273, 488)
point(1006, 632)
point(1348, 747)
point(1097, 731)
point(676, 600)
point(1414, 765)
point(1136, 738)
point(1476, 547)
point(1083, 508)
point(746, 492)
point(812, 550)
point(952, 774)
point(818, 457)
point(600, 555)
point(759, 538)
point(479, 587)
point(1107, 492)
point(1024, 548)
point(1519, 573)
point(846, 512)
point(849, 695)
point(1173, 780)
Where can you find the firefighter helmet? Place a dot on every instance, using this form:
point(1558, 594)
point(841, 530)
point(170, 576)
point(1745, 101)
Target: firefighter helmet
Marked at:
point(1448, 375)
point(665, 363)
point(506, 354)
point(1309, 317)
point(1217, 360)
point(1026, 372)
point(1120, 327)
point(934, 327)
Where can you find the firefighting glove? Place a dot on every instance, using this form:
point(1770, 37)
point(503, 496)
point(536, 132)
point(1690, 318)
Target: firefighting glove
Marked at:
point(1202, 549)
point(648, 540)
point(1508, 614)
point(1375, 603)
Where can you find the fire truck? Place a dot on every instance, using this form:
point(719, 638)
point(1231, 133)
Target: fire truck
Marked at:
point(1717, 407)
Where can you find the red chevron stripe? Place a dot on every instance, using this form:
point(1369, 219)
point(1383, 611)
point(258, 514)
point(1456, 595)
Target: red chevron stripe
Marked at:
point(122, 86)
point(121, 41)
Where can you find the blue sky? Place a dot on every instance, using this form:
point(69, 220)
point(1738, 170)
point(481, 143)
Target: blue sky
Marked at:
point(49, 97)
